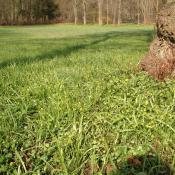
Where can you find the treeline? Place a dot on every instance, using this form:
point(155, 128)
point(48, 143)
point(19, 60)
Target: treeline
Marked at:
point(14, 12)
point(28, 11)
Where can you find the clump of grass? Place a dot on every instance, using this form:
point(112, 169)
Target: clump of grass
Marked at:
point(69, 102)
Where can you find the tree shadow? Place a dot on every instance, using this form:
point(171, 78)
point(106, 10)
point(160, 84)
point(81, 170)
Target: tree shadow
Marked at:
point(148, 164)
point(95, 41)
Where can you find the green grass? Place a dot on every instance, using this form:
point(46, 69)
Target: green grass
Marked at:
point(72, 102)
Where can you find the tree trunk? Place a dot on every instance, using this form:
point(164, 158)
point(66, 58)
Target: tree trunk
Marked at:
point(14, 11)
point(138, 18)
point(138, 12)
point(119, 12)
point(157, 9)
point(114, 11)
point(84, 12)
point(29, 12)
point(160, 60)
point(145, 21)
point(75, 3)
point(100, 12)
point(146, 7)
point(107, 12)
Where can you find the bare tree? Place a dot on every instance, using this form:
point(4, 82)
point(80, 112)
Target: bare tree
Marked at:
point(113, 11)
point(84, 4)
point(75, 8)
point(100, 12)
point(138, 12)
point(114, 3)
point(107, 11)
point(119, 11)
point(146, 8)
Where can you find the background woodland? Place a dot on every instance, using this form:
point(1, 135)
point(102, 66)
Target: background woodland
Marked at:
point(19, 12)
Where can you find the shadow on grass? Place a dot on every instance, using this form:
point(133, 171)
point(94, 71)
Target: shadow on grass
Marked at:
point(95, 41)
point(148, 164)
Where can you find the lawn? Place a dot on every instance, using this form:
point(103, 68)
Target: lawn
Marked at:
point(73, 102)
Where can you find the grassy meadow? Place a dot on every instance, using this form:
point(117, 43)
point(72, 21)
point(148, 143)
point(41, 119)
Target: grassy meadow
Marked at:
point(72, 102)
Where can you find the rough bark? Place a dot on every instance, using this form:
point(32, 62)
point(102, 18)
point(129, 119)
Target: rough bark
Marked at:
point(166, 23)
point(160, 60)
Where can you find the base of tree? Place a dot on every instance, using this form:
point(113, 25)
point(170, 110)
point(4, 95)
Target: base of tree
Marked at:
point(159, 62)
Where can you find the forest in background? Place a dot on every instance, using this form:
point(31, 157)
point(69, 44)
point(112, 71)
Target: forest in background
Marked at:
point(15, 12)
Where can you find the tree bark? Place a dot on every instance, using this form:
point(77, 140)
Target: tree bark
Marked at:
point(114, 11)
point(75, 3)
point(138, 12)
point(157, 9)
point(107, 11)
point(84, 12)
point(100, 12)
point(119, 12)
point(160, 60)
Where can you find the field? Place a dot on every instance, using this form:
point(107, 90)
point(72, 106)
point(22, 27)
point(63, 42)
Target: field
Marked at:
point(72, 102)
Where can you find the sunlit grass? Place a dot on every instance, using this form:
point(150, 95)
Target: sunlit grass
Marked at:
point(72, 99)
